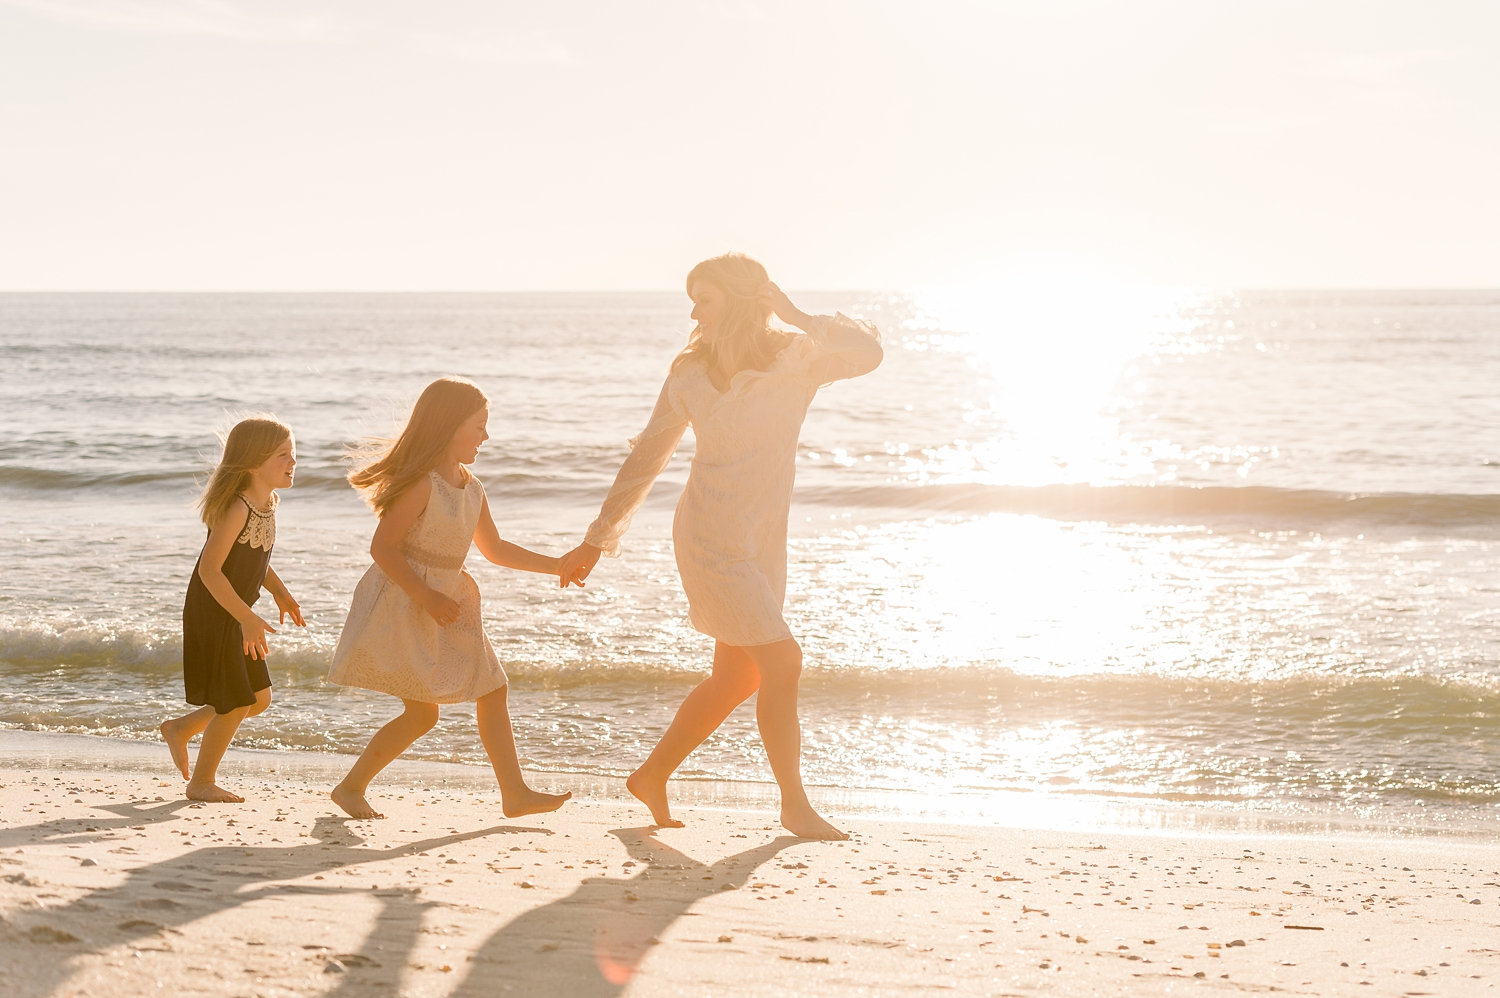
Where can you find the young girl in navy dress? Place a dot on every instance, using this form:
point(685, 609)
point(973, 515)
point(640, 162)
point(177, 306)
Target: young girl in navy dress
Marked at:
point(414, 629)
point(224, 642)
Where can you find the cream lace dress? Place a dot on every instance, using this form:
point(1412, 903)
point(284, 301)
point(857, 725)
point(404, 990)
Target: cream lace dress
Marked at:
point(729, 533)
point(390, 644)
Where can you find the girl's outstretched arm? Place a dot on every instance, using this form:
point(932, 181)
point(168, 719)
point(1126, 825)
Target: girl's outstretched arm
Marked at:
point(284, 601)
point(385, 548)
point(505, 554)
point(221, 538)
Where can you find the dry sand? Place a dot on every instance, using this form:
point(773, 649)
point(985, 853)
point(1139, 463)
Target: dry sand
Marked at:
point(112, 885)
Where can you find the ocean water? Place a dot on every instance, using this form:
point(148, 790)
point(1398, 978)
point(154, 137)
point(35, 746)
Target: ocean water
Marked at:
point(1239, 551)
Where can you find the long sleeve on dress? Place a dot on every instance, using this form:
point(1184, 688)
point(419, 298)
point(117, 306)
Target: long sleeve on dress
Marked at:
point(650, 453)
point(842, 348)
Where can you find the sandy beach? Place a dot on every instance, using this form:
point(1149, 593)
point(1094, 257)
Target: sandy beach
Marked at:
point(111, 884)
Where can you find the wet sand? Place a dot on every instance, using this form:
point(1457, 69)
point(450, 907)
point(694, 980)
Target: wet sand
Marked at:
point(112, 884)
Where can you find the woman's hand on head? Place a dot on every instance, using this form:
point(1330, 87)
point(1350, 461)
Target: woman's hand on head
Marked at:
point(772, 295)
point(440, 608)
point(253, 640)
point(575, 566)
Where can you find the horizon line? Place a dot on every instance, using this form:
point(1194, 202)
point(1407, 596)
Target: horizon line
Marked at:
point(1000, 287)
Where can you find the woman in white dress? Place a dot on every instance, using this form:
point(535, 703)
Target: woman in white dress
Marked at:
point(744, 387)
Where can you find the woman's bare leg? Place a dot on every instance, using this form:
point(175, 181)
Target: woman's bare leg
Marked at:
point(415, 720)
point(516, 798)
point(780, 666)
point(733, 679)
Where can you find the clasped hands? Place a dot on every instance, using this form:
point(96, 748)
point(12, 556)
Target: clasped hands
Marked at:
point(575, 566)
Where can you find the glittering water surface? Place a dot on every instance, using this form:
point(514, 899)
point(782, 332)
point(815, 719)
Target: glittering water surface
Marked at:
point(1238, 549)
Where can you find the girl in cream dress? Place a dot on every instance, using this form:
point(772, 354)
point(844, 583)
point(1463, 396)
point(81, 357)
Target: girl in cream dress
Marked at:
point(414, 628)
point(744, 388)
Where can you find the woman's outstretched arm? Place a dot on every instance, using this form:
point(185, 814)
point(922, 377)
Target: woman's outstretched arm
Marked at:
point(650, 454)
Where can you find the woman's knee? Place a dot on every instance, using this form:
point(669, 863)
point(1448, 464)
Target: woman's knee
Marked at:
point(735, 672)
point(737, 684)
point(780, 662)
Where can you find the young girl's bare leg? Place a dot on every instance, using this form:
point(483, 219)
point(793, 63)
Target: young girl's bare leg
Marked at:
point(780, 667)
point(415, 720)
point(178, 731)
point(516, 798)
point(733, 679)
point(217, 735)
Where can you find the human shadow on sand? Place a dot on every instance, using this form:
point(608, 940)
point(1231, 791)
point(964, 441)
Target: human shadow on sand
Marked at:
point(590, 943)
point(79, 831)
point(153, 901)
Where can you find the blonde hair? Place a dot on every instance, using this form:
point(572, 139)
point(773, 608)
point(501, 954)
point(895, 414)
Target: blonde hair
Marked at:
point(390, 467)
point(249, 444)
point(743, 337)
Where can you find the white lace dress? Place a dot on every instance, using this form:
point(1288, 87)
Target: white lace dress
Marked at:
point(392, 645)
point(730, 529)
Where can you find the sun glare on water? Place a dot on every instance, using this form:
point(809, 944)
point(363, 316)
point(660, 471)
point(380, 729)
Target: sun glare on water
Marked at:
point(1053, 358)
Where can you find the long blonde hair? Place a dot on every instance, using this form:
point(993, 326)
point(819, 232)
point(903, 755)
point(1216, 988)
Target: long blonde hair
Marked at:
point(249, 444)
point(743, 337)
point(390, 467)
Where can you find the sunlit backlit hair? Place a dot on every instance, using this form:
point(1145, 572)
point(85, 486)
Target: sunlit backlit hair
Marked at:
point(390, 467)
point(742, 338)
point(248, 445)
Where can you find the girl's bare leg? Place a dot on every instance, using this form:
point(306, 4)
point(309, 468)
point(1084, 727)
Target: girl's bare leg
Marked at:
point(217, 734)
point(415, 720)
point(516, 798)
point(733, 679)
point(178, 731)
point(780, 666)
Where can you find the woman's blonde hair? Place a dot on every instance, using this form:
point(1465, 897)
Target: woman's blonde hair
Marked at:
point(249, 444)
point(390, 467)
point(743, 337)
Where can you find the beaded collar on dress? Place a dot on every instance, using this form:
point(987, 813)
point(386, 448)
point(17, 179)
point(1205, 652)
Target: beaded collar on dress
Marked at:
point(260, 525)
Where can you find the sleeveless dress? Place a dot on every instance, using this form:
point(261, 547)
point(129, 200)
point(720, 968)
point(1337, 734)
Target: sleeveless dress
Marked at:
point(391, 645)
point(215, 668)
point(729, 532)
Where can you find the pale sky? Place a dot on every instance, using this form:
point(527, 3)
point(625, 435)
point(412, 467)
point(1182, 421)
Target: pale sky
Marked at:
point(598, 144)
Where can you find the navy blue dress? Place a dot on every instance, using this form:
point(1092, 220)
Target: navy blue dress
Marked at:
point(215, 668)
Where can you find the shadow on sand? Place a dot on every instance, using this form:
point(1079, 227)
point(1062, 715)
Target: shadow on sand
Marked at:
point(156, 899)
point(591, 942)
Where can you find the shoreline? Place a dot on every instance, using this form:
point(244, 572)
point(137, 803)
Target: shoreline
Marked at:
point(110, 884)
point(22, 748)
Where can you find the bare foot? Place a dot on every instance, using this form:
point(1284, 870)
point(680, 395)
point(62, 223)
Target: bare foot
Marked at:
point(654, 795)
point(808, 824)
point(177, 744)
point(530, 801)
point(353, 803)
point(212, 793)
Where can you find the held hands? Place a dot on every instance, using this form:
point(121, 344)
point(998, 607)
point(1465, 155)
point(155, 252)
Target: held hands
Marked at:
point(253, 639)
point(576, 565)
point(287, 605)
point(772, 295)
point(440, 608)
